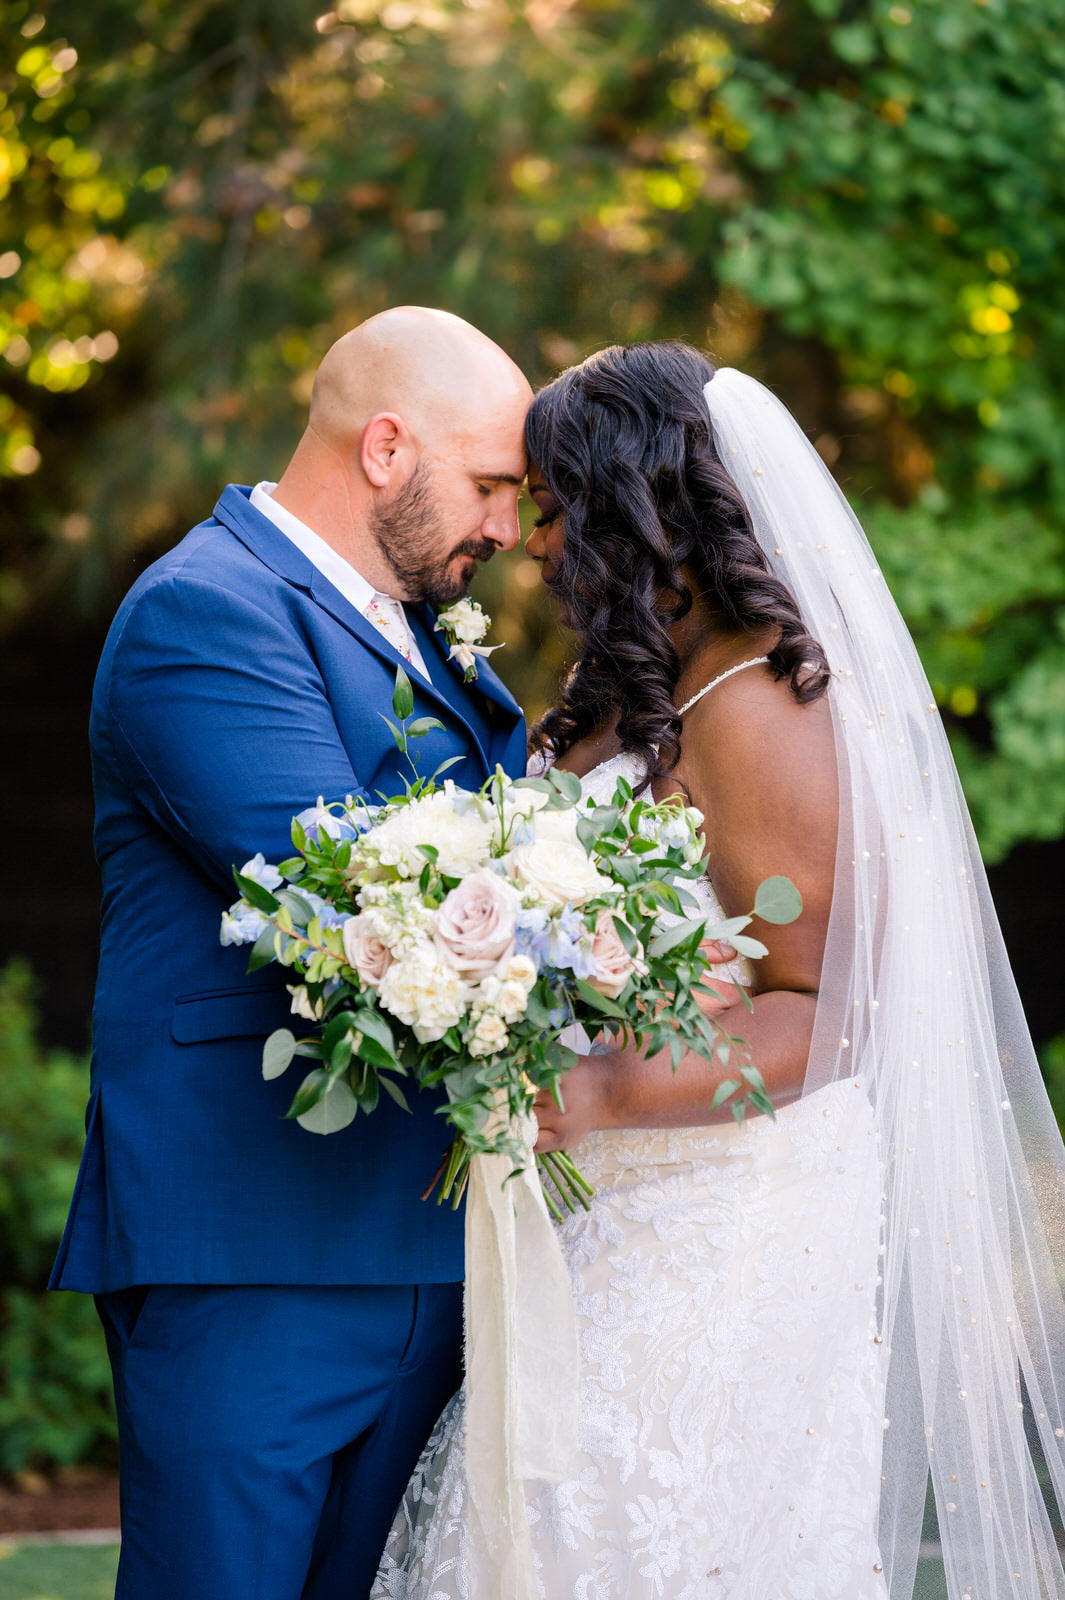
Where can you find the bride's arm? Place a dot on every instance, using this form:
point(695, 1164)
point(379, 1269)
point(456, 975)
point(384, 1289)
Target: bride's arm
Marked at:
point(762, 769)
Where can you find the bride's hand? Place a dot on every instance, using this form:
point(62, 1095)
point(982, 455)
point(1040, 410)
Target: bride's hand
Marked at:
point(585, 1094)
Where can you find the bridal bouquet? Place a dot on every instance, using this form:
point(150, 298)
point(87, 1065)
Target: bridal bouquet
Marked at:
point(449, 937)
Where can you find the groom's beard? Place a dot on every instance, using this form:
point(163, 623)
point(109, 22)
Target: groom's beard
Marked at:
point(410, 536)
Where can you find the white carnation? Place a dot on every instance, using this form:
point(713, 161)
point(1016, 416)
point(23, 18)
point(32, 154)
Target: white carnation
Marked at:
point(423, 992)
point(462, 839)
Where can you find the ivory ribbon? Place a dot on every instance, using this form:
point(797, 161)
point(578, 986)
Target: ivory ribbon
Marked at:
point(522, 1368)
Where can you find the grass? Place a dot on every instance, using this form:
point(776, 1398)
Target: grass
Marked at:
point(87, 1572)
point(57, 1571)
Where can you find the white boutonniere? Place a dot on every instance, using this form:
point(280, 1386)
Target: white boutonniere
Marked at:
point(464, 625)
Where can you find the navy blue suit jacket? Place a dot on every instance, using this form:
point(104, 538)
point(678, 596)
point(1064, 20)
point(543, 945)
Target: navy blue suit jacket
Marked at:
point(236, 686)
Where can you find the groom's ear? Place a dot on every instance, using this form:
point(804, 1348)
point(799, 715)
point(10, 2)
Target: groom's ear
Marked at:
point(387, 450)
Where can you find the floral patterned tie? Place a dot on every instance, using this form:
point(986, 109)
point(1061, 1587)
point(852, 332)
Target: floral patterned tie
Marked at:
point(387, 616)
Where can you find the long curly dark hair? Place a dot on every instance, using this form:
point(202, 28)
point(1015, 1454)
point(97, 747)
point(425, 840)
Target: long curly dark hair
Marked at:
point(624, 444)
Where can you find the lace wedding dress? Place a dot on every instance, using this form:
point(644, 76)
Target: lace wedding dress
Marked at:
point(731, 1392)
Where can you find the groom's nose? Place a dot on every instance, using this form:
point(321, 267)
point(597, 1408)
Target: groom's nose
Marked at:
point(502, 526)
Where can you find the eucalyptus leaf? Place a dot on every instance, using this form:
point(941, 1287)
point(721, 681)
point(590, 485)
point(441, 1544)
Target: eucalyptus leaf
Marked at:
point(300, 908)
point(777, 901)
point(567, 783)
point(723, 931)
point(336, 1108)
point(745, 946)
point(277, 1053)
point(670, 938)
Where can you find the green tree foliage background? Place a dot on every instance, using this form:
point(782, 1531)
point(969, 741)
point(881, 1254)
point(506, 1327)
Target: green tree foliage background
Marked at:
point(859, 201)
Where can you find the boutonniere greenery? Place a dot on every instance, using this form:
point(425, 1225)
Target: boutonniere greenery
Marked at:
point(464, 625)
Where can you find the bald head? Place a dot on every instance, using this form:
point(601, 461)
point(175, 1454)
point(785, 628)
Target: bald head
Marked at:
point(432, 369)
point(414, 452)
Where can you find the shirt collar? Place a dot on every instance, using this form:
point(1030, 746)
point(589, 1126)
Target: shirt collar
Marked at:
point(341, 574)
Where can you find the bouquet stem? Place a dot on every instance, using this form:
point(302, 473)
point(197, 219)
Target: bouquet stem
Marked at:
point(568, 1183)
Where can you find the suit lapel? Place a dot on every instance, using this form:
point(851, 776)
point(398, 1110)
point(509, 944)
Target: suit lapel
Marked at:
point(265, 540)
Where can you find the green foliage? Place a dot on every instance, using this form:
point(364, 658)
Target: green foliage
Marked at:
point(55, 1381)
point(861, 200)
point(58, 1571)
point(1052, 1060)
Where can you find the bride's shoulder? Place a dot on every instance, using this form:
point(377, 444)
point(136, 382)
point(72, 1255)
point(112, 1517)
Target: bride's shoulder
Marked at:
point(753, 729)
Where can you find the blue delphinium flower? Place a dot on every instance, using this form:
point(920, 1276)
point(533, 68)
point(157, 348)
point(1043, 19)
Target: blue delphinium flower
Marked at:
point(258, 869)
point(241, 925)
point(319, 823)
point(561, 942)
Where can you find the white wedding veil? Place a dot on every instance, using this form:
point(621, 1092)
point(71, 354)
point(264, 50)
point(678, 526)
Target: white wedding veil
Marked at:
point(917, 1001)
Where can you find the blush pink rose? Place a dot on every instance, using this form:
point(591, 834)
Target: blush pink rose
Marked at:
point(475, 925)
point(365, 950)
point(613, 964)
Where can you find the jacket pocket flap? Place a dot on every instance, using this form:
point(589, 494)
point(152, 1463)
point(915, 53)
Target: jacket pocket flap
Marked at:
point(230, 1014)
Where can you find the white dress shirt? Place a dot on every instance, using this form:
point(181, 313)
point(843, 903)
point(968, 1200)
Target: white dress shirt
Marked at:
point(385, 613)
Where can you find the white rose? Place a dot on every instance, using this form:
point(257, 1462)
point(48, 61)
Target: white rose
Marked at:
point(489, 1036)
point(475, 924)
point(557, 872)
point(425, 993)
point(560, 825)
point(613, 964)
point(364, 948)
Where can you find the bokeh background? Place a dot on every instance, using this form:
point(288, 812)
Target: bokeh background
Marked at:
point(862, 203)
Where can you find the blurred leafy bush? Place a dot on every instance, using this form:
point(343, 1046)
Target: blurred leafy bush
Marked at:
point(55, 1381)
point(861, 201)
point(1052, 1060)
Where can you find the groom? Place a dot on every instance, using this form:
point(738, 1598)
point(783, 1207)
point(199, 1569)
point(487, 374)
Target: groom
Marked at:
point(282, 1312)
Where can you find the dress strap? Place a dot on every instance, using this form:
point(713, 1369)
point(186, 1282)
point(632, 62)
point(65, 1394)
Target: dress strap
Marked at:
point(754, 662)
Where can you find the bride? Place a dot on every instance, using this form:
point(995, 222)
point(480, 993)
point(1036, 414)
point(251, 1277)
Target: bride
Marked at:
point(785, 1326)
